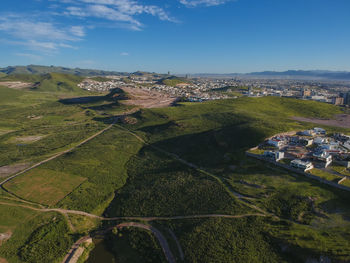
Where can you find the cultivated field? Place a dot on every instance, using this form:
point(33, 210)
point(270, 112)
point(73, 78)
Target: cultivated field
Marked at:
point(44, 186)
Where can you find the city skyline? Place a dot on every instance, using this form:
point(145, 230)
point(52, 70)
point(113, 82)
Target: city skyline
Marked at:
point(199, 36)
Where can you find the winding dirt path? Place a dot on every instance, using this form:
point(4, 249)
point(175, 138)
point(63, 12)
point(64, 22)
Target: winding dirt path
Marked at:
point(228, 189)
point(60, 153)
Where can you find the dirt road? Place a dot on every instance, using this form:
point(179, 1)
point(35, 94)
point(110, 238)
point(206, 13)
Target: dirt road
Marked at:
point(59, 154)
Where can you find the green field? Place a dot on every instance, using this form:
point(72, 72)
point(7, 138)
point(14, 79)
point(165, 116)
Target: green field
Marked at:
point(116, 174)
point(325, 175)
point(44, 186)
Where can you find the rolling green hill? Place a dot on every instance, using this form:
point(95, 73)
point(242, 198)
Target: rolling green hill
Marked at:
point(58, 82)
point(36, 69)
point(173, 81)
point(136, 178)
point(50, 82)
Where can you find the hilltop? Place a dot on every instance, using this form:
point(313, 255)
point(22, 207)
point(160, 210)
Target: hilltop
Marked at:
point(50, 82)
point(173, 81)
point(37, 69)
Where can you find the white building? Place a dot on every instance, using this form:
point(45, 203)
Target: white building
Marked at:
point(275, 143)
point(320, 140)
point(305, 166)
point(319, 131)
point(277, 156)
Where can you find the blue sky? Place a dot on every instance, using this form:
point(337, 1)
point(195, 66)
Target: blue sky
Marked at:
point(180, 36)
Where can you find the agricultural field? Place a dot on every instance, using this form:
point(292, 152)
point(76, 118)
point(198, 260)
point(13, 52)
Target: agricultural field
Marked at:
point(44, 186)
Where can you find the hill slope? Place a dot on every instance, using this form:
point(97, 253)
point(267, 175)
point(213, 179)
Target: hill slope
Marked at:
point(35, 69)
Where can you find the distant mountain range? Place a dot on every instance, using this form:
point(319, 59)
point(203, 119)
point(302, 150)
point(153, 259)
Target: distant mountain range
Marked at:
point(290, 74)
point(35, 69)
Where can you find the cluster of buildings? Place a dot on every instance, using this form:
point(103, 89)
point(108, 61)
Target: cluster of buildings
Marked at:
point(309, 149)
point(202, 89)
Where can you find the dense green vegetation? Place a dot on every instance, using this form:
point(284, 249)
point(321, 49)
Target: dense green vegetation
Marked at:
point(102, 162)
point(139, 179)
point(215, 136)
point(48, 243)
point(226, 240)
point(161, 186)
point(134, 245)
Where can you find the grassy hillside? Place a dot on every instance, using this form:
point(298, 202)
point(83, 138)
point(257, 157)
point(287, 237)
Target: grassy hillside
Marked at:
point(39, 70)
point(50, 82)
point(173, 81)
point(132, 178)
point(57, 82)
point(214, 135)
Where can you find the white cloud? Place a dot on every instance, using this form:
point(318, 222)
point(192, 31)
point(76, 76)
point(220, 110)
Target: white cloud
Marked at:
point(28, 55)
point(124, 54)
point(39, 35)
point(194, 3)
point(124, 11)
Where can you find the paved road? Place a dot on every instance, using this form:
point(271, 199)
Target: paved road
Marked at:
point(181, 253)
point(162, 241)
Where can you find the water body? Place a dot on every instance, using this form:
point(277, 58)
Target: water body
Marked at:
point(100, 254)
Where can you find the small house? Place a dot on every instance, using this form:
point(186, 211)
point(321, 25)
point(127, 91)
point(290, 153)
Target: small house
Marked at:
point(276, 143)
point(303, 165)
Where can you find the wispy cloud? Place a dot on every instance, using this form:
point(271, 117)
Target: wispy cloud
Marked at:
point(123, 11)
point(39, 35)
point(30, 56)
point(60, 26)
point(194, 3)
point(124, 54)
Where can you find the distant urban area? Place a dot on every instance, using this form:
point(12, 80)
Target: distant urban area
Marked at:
point(198, 89)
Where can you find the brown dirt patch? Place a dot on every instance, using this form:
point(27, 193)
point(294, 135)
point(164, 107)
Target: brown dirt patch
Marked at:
point(147, 99)
point(2, 132)
point(8, 170)
point(340, 120)
point(34, 117)
point(5, 236)
point(16, 84)
point(2, 260)
point(33, 138)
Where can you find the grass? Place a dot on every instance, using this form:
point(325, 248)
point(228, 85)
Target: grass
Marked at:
point(325, 175)
point(44, 186)
point(28, 234)
point(340, 169)
point(173, 81)
point(213, 135)
point(102, 163)
point(257, 151)
point(346, 182)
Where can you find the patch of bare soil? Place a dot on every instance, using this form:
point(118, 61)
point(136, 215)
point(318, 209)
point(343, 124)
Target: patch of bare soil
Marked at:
point(34, 117)
point(33, 138)
point(147, 99)
point(16, 84)
point(340, 120)
point(2, 132)
point(2, 260)
point(5, 236)
point(12, 169)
